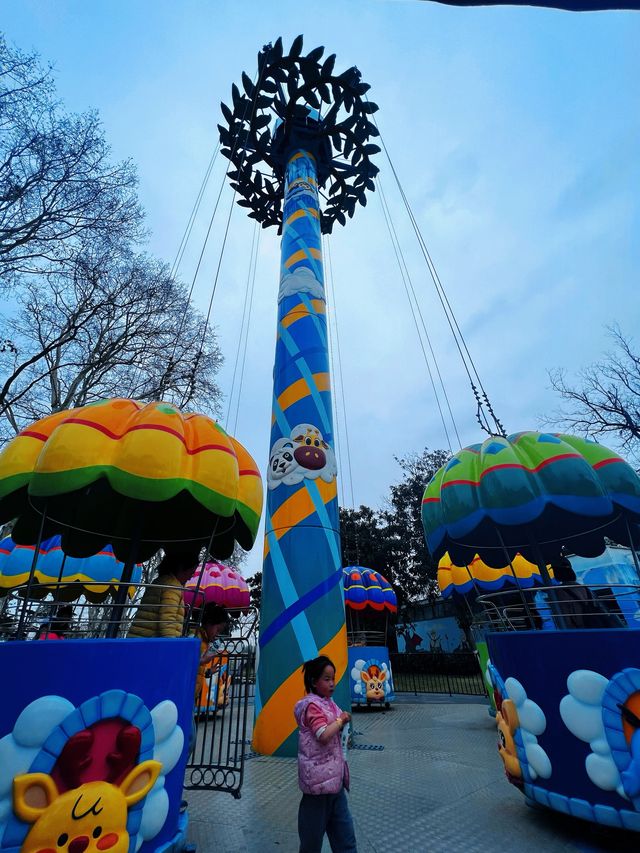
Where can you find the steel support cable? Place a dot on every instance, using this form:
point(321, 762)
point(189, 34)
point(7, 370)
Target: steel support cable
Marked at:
point(244, 328)
point(356, 538)
point(244, 315)
point(413, 314)
point(253, 103)
point(344, 407)
point(408, 283)
point(448, 310)
point(332, 360)
point(246, 337)
point(194, 212)
point(178, 260)
point(170, 363)
point(205, 325)
point(446, 305)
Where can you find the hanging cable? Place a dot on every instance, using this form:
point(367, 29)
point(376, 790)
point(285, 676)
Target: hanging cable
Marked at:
point(194, 212)
point(332, 361)
point(347, 443)
point(242, 323)
point(484, 406)
point(344, 408)
point(171, 360)
point(192, 373)
point(246, 337)
point(178, 260)
point(240, 336)
point(409, 288)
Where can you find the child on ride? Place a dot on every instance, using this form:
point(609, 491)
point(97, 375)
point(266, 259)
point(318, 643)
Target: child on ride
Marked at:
point(323, 772)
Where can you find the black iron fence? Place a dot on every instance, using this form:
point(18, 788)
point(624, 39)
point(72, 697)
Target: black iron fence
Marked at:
point(438, 672)
point(218, 748)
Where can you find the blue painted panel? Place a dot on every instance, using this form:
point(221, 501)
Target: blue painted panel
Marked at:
point(137, 675)
point(592, 675)
point(377, 685)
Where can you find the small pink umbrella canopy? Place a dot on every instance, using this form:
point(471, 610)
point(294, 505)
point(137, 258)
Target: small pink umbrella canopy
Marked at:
point(221, 585)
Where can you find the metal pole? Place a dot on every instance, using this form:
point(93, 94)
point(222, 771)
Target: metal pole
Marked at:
point(634, 553)
point(302, 612)
point(515, 577)
point(556, 610)
point(115, 615)
point(36, 552)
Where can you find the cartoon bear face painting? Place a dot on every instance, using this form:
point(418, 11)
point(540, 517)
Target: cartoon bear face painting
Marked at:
point(87, 819)
point(281, 461)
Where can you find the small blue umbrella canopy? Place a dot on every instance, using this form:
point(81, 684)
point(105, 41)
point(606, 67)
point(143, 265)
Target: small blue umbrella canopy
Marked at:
point(531, 493)
point(94, 577)
point(365, 588)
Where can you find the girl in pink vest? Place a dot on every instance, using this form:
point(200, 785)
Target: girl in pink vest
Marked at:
point(323, 772)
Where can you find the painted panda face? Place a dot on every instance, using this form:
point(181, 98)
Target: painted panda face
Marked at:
point(281, 459)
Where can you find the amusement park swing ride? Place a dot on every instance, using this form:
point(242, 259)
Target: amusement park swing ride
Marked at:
point(111, 717)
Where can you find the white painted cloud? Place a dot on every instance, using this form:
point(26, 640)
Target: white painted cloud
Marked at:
point(581, 712)
point(301, 280)
point(532, 724)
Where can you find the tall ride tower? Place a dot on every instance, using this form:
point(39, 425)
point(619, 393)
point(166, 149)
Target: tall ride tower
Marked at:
point(308, 128)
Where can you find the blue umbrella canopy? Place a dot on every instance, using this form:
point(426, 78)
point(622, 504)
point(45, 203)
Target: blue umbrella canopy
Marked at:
point(367, 589)
point(94, 577)
point(531, 493)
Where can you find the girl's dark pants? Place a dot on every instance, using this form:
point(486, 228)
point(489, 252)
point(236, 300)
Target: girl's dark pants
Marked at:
point(320, 813)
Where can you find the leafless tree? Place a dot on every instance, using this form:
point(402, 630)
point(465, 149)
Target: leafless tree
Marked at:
point(605, 398)
point(58, 186)
point(115, 324)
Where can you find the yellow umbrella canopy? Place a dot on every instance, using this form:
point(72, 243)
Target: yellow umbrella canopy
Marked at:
point(478, 575)
point(119, 471)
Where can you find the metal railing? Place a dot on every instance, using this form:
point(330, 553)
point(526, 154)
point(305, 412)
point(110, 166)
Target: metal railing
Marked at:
point(366, 638)
point(437, 672)
point(53, 613)
point(218, 748)
point(559, 607)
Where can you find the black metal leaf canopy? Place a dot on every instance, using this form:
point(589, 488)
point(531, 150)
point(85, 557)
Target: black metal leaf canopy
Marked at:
point(298, 101)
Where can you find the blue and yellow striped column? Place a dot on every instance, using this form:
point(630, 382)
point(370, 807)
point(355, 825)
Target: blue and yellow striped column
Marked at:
point(302, 612)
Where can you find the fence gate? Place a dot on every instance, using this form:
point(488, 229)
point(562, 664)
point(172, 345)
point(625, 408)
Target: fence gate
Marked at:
point(217, 758)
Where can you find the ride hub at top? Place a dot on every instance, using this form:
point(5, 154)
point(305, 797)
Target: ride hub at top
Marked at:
point(297, 133)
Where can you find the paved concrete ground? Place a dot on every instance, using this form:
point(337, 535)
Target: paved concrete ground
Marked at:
point(438, 785)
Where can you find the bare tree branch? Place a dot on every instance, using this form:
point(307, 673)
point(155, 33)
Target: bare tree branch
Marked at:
point(604, 399)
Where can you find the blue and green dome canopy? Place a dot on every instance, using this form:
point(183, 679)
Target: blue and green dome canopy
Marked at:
point(534, 491)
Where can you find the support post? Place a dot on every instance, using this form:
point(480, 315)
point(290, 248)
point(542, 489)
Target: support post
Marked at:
point(302, 611)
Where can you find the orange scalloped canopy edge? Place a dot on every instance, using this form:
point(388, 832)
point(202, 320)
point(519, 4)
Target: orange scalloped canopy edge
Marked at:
point(148, 452)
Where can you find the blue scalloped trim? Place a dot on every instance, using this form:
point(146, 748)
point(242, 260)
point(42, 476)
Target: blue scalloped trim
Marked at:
point(604, 815)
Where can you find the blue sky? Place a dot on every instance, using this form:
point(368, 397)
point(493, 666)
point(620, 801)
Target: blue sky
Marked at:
point(514, 132)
